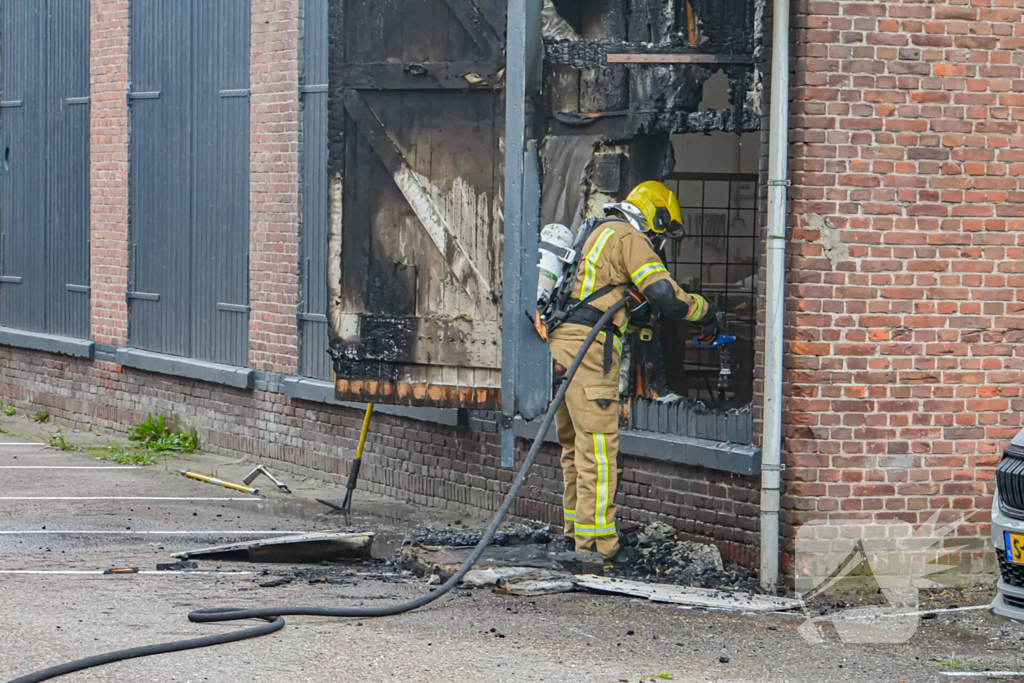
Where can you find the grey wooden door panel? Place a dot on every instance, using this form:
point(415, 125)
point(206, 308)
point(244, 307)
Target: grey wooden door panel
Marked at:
point(190, 179)
point(44, 166)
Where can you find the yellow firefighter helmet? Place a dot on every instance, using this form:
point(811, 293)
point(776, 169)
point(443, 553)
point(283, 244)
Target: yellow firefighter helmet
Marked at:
point(659, 205)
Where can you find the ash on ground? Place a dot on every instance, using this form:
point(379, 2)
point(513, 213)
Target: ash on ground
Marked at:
point(661, 557)
point(513, 535)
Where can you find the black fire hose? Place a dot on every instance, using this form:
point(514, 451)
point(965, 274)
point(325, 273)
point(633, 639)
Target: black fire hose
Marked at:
point(273, 615)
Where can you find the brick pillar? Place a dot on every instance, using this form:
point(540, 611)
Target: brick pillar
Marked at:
point(274, 192)
point(108, 142)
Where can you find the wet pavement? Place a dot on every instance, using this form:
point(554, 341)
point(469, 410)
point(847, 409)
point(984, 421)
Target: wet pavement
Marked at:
point(60, 528)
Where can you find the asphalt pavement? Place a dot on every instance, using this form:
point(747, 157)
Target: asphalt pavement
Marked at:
point(65, 517)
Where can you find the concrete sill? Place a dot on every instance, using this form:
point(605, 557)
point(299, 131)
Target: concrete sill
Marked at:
point(319, 391)
point(179, 366)
point(68, 346)
point(681, 450)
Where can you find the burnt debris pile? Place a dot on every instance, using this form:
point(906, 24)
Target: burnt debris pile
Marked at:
point(457, 535)
point(662, 557)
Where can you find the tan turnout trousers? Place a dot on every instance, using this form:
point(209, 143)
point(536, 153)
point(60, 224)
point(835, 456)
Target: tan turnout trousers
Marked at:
point(588, 429)
point(588, 422)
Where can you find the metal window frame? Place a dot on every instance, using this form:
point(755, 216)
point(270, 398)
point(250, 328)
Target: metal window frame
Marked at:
point(698, 357)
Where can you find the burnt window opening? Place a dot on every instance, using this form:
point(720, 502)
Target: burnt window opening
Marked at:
point(717, 258)
point(673, 384)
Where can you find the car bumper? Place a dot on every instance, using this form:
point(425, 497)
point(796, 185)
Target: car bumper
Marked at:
point(1009, 601)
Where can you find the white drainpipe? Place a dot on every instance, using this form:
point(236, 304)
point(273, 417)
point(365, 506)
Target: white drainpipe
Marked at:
point(771, 458)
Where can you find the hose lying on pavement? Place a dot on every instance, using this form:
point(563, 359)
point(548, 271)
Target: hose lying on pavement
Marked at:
point(273, 615)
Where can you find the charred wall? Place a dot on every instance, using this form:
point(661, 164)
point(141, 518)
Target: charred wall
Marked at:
point(704, 36)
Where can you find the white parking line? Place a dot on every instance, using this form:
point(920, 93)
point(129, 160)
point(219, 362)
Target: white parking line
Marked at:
point(94, 572)
point(67, 467)
point(150, 498)
point(191, 572)
point(881, 614)
point(986, 674)
point(24, 443)
point(123, 532)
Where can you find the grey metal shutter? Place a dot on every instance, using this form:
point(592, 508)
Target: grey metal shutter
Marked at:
point(313, 340)
point(44, 166)
point(68, 168)
point(188, 290)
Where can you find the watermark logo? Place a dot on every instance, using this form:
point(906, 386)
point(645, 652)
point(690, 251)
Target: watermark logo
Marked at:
point(886, 562)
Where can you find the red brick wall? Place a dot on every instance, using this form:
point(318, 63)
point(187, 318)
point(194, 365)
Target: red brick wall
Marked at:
point(108, 248)
point(905, 294)
point(274, 243)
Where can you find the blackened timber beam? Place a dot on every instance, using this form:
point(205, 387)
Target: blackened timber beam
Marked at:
point(414, 188)
point(594, 54)
point(423, 76)
point(626, 124)
point(633, 58)
point(479, 28)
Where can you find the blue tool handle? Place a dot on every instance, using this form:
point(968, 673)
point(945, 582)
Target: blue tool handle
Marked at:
point(719, 340)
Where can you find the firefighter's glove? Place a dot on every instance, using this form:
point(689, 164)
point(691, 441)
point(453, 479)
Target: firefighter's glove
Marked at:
point(709, 329)
point(638, 308)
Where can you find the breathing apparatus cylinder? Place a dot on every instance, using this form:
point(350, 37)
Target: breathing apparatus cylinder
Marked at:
point(556, 242)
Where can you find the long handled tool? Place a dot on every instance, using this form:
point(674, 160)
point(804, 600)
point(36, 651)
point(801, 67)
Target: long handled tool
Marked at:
point(219, 482)
point(353, 475)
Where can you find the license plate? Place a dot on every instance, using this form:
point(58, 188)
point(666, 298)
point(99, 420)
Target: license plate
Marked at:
point(1014, 547)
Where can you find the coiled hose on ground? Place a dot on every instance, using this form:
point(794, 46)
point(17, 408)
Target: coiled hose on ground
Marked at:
point(273, 615)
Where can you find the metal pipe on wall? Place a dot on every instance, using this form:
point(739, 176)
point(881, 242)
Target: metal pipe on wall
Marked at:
point(775, 307)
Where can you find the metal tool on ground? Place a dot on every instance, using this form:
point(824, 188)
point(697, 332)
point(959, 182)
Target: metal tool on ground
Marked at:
point(219, 482)
point(353, 475)
point(260, 469)
point(335, 508)
point(274, 615)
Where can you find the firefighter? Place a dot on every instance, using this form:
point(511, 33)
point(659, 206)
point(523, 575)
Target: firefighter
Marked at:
point(617, 259)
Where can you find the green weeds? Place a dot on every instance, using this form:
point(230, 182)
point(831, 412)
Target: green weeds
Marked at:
point(127, 455)
point(154, 435)
point(953, 663)
point(58, 441)
point(42, 415)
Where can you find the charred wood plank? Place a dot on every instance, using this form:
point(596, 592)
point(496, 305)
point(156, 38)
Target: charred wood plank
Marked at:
point(478, 27)
point(626, 124)
point(414, 188)
point(633, 58)
point(592, 54)
point(423, 76)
